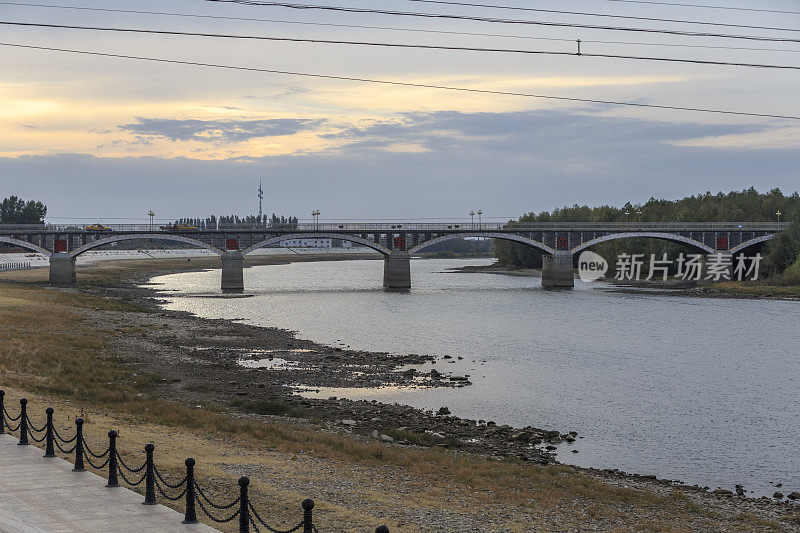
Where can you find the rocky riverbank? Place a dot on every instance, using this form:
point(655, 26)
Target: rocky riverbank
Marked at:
point(260, 370)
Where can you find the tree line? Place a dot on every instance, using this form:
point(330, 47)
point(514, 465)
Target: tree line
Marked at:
point(747, 205)
point(235, 220)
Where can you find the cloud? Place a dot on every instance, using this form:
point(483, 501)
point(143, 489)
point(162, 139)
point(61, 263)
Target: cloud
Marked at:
point(527, 131)
point(218, 131)
point(421, 165)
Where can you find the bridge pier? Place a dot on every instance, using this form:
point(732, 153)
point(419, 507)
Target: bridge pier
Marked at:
point(397, 270)
point(232, 271)
point(62, 270)
point(557, 270)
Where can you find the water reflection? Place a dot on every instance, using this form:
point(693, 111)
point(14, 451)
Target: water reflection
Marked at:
point(703, 390)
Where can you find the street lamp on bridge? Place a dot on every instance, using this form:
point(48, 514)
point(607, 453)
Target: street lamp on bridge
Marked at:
point(315, 218)
point(480, 212)
point(779, 216)
point(151, 215)
point(472, 215)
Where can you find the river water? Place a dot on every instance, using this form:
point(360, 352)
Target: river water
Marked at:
point(702, 390)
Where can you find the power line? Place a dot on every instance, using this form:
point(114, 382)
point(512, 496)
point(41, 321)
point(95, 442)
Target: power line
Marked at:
point(702, 46)
point(707, 6)
point(344, 9)
point(406, 84)
point(401, 45)
point(604, 15)
point(389, 28)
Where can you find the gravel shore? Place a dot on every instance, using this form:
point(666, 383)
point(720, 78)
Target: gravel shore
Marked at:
point(228, 363)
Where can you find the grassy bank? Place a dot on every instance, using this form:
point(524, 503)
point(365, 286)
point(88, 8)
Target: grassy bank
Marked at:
point(51, 353)
point(752, 290)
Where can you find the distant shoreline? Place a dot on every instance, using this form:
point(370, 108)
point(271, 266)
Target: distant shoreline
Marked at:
point(497, 268)
point(671, 287)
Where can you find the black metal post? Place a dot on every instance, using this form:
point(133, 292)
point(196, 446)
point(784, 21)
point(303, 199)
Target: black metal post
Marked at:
point(112, 459)
point(381, 529)
point(2, 412)
point(78, 445)
point(308, 519)
point(190, 516)
point(49, 451)
point(244, 509)
point(149, 477)
point(23, 422)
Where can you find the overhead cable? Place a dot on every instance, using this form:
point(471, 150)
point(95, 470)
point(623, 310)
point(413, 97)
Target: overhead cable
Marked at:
point(401, 45)
point(345, 9)
point(390, 28)
point(408, 84)
point(603, 15)
point(707, 6)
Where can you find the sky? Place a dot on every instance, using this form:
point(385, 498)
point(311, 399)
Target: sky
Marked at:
point(108, 139)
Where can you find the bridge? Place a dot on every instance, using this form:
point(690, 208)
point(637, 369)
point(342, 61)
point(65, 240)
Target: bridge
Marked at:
point(559, 243)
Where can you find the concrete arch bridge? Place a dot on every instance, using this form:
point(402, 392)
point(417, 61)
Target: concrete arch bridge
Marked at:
point(558, 242)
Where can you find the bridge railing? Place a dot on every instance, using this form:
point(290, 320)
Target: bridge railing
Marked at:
point(186, 490)
point(15, 265)
point(346, 226)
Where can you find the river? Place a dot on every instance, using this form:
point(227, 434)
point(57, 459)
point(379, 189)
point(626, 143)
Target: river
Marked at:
point(701, 390)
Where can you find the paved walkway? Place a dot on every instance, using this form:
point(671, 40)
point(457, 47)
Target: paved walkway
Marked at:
point(44, 495)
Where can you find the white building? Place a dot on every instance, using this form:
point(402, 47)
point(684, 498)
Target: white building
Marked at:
point(316, 243)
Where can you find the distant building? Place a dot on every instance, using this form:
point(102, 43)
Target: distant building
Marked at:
point(315, 243)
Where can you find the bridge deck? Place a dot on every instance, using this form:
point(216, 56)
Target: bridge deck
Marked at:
point(405, 227)
point(44, 495)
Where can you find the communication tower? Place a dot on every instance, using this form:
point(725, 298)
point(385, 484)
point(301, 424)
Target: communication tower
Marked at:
point(260, 200)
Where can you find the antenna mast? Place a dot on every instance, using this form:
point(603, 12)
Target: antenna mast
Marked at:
point(260, 199)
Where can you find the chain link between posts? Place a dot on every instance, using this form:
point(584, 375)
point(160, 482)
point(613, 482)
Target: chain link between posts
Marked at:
point(90, 452)
point(155, 480)
point(9, 417)
point(211, 516)
point(62, 439)
point(254, 513)
point(33, 428)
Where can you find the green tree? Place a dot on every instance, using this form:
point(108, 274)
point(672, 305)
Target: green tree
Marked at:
point(784, 250)
point(14, 210)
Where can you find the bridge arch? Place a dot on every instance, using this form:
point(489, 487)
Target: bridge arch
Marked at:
point(751, 242)
point(501, 236)
point(164, 237)
point(26, 245)
point(341, 236)
point(672, 237)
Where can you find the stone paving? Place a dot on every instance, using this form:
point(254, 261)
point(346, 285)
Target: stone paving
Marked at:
point(44, 495)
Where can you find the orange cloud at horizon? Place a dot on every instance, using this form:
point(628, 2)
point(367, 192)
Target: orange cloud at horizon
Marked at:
point(80, 118)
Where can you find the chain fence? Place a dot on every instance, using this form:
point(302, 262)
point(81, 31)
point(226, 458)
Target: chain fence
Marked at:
point(191, 492)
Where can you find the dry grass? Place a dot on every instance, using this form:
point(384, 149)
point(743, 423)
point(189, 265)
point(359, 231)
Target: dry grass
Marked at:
point(755, 290)
point(48, 353)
